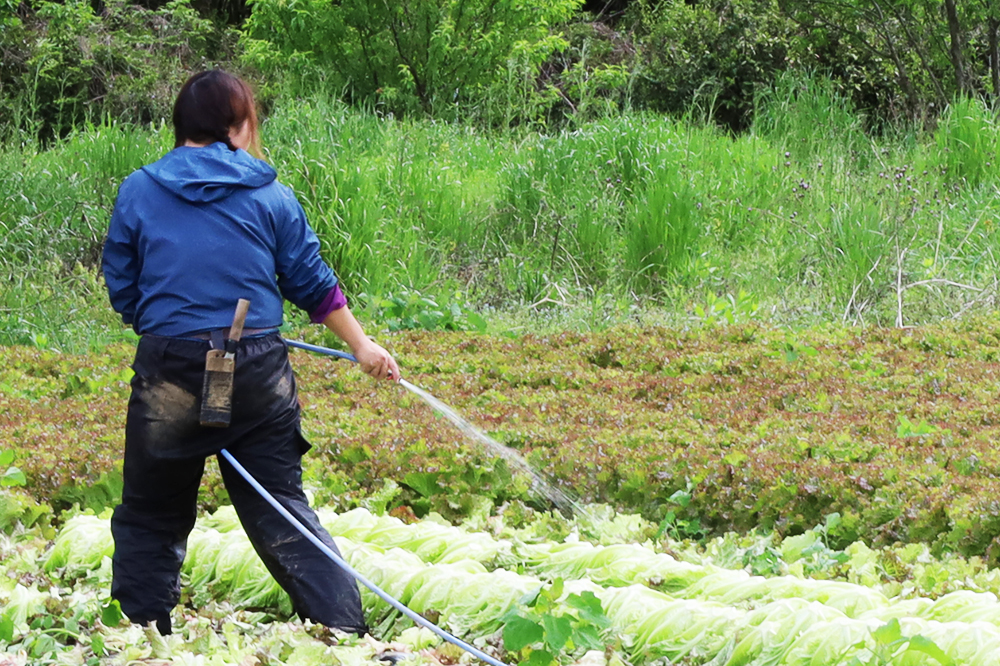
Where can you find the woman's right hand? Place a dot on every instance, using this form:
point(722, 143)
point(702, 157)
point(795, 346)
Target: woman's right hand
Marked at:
point(373, 359)
point(376, 361)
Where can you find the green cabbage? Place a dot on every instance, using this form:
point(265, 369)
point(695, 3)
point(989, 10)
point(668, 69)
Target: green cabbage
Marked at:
point(467, 600)
point(81, 546)
point(225, 566)
point(203, 547)
point(687, 628)
point(431, 541)
point(831, 643)
point(418, 638)
point(390, 571)
point(770, 630)
point(964, 606)
point(609, 527)
point(667, 627)
point(734, 587)
point(354, 524)
point(623, 564)
point(224, 519)
point(727, 617)
point(627, 606)
point(22, 603)
point(964, 643)
point(899, 608)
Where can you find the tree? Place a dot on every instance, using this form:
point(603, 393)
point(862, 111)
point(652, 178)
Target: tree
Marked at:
point(429, 54)
point(938, 49)
point(875, 27)
point(956, 51)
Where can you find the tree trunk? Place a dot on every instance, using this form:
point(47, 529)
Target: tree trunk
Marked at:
point(957, 61)
point(914, 44)
point(902, 75)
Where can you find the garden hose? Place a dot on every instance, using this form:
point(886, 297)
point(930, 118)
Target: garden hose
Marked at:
point(337, 559)
point(560, 498)
point(340, 562)
point(321, 350)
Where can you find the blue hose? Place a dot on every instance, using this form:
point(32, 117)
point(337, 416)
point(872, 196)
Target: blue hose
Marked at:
point(321, 350)
point(337, 559)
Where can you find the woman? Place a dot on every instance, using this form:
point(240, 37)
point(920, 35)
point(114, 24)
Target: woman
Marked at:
point(190, 235)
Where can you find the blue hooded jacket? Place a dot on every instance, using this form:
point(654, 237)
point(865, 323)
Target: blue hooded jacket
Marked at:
point(201, 228)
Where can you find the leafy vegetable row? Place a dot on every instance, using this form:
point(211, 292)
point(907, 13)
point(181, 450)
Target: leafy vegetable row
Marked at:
point(731, 618)
point(230, 558)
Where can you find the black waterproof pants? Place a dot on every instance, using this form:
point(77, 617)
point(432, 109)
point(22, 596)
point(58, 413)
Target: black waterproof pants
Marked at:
point(165, 452)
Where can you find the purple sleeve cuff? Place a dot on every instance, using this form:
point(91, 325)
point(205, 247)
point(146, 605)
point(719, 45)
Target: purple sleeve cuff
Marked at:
point(334, 300)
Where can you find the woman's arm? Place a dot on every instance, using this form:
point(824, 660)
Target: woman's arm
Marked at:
point(373, 359)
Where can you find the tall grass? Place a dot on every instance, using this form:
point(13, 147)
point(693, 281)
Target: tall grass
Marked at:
point(805, 214)
point(967, 139)
point(54, 210)
point(665, 231)
point(806, 116)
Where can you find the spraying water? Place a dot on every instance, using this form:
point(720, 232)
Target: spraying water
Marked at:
point(538, 483)
point(513, 458)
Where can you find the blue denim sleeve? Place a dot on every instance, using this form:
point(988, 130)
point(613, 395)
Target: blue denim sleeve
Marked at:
point(304, 278)
point(120, 261)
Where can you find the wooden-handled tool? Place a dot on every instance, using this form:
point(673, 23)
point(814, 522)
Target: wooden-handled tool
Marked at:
point(220, 364)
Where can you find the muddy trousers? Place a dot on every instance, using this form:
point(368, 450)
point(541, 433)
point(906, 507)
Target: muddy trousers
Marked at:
point(165, 453)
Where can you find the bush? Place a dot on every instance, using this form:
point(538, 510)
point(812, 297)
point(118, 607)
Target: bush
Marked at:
point(707, 54)
point(408, 55)
point(595, 73)
point(64, 64)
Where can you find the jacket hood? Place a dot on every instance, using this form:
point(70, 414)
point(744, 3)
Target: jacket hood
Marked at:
point(210, 173)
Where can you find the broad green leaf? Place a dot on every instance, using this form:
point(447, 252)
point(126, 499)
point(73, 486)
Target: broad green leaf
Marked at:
point(538, 658)
point(424, 483)
point(556, 590)
point(97, 645)
point(927, 646)
point(42, 646)
point(528, 599)
point(682, 498)
point(6, 457)
point(520, 632)
point(588, 637)
point(558, 629)
point(476, 321)
point(111, 613)
point(888, 633)
point(13, 477)
point(666, 524)
point(590, 609)
point(6, 629)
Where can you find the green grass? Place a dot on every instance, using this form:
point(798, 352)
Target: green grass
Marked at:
point(807, 215)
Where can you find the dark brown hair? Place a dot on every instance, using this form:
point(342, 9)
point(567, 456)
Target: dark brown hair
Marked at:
point(209, 105)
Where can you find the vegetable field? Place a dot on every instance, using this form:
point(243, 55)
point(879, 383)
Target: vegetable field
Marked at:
point(593, 597)
point(654, 316)
point(752, 496)
point(723, 427)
